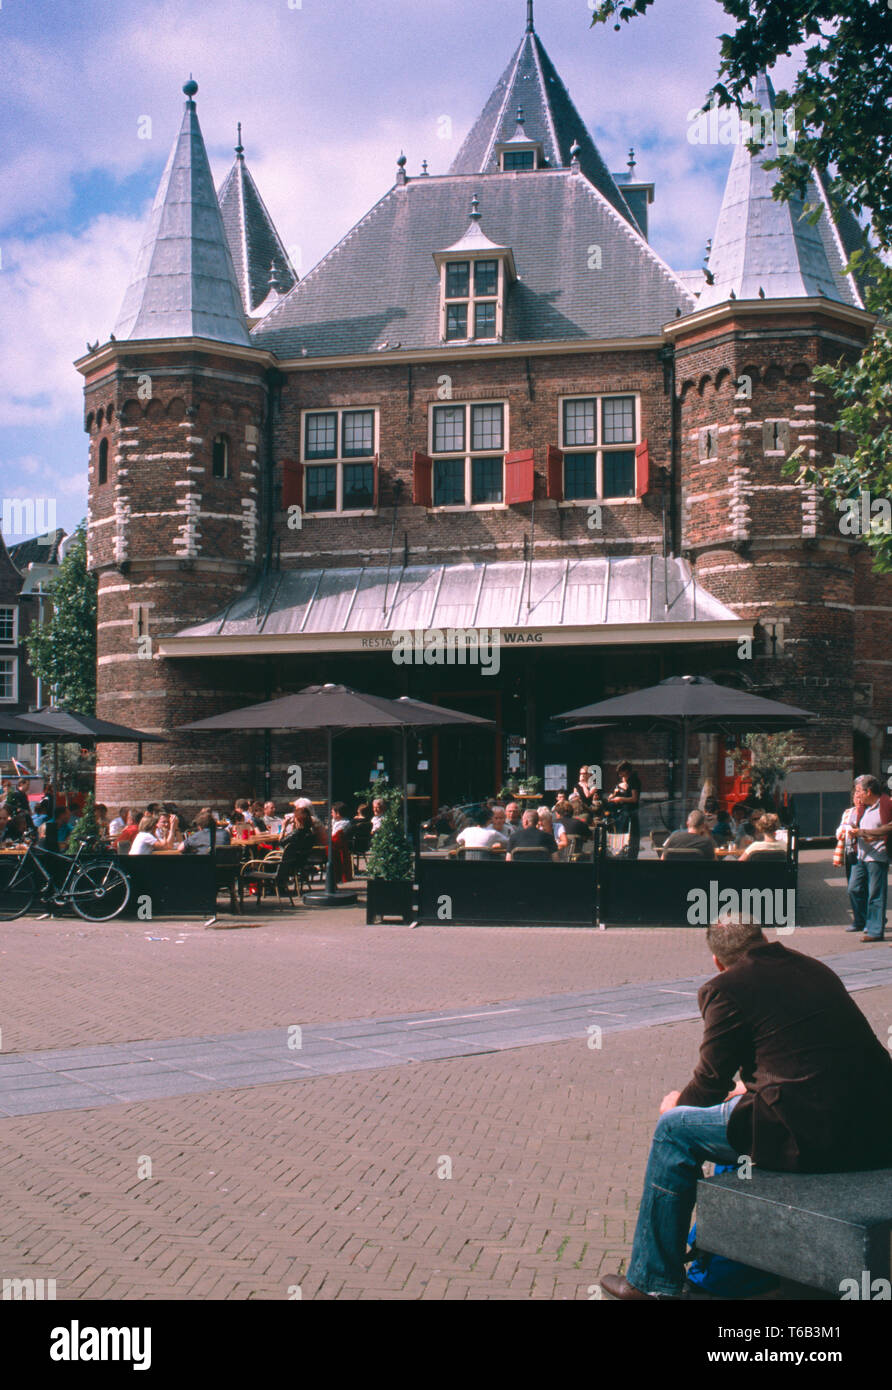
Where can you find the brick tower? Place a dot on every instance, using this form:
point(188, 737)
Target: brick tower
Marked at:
point(776, 305)
point(176, 411)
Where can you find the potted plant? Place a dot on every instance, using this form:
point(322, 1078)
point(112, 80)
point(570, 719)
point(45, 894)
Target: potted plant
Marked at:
point(390, 866)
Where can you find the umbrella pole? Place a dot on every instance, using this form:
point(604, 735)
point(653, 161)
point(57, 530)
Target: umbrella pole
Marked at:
point(684, 772)
point(405, 733)
point(330, 886)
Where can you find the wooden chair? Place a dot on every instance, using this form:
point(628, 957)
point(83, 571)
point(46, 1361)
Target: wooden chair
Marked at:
point(478, 853)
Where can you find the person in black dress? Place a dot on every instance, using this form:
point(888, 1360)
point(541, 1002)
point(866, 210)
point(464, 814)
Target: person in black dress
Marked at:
point(624, 801)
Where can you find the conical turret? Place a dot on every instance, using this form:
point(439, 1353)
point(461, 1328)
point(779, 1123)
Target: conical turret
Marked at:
point(184, 284)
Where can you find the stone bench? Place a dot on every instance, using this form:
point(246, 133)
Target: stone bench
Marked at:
point(816, 1229)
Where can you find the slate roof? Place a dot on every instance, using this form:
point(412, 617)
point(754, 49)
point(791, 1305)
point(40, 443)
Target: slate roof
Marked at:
point(254, 243)
point(531, 82)
point(184, 283)
point(763, 244)
point(40, 550)
point(605, 591)
point(380, 283)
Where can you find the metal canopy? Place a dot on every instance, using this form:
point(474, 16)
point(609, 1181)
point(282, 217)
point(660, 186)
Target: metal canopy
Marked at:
point(554, 595)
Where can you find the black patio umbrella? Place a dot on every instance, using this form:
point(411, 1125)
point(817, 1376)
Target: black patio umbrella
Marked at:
point(333, 707)
point(57, 726)
point(694, 704)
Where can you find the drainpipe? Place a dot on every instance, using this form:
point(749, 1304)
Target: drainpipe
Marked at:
point(274, 383)
point(667, 357)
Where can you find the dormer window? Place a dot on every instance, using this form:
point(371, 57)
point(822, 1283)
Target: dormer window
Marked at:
point(474, 275)
point(518, 159)
point(520, 152)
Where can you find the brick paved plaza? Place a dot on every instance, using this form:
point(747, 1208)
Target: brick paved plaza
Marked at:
point(332, 1182)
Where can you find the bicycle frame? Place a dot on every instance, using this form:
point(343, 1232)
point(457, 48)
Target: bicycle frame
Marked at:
point(32, 859)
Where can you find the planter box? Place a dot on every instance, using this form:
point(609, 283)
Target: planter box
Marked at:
point(386, 898)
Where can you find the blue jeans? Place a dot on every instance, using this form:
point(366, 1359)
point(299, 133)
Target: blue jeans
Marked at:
point(868, 890)
point(683, 1138)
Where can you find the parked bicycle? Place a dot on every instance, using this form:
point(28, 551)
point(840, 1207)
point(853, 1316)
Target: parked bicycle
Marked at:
point(97, 889)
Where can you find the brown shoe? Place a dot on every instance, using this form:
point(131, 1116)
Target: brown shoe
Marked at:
point(617, 1286)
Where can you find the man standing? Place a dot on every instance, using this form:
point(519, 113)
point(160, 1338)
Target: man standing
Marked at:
point(869, 875)
point(815, 1094)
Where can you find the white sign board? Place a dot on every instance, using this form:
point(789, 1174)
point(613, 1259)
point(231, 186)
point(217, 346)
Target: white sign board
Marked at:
point(555, 776)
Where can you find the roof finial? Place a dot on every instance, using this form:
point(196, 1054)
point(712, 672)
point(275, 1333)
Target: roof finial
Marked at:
point(240, 149)
point(475, 208)
point(708, 249)
point(574, 155)
point(520, 116)
point(190, 88)
point(401, 175)
point(632, 161)
point(424, 169)
point(529, 16)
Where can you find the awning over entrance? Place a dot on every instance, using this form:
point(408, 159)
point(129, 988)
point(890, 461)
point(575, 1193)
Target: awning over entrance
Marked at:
point(625, 599)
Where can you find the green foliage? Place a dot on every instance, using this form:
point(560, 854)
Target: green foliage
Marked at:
point(772, 757)
point(841, 102)
point(85, 829)
point(515, 785)
point(390, 855)
point(62, 650)
point(379, 790)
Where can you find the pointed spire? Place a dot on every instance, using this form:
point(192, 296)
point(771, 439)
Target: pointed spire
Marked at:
point(768, 246)
point(184, 283)
point(530, 29)
point(550, 120)
point(254, 243)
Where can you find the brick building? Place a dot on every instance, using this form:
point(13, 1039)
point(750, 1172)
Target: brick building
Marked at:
point(492, 406)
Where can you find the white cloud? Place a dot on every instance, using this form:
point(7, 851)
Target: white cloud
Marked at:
point(58, 292)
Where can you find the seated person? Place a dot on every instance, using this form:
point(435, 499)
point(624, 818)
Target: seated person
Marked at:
point(244, 805)
point(531, 836)
point(128, 834)
point(271, 818)
point(498, 822)
point(696, 840)
point(744, 831)
point(239, 828)
point(552, 827)
point(482, 835)
point(169, 830)
point(765, 827)
point(571, 819)
point(513, 816)
point(6, 827)
point(199, 842)
point(64, 825)
point(711, 811)
point(148, 838)
point(814, 1095)
point(723, 830)
point(118, 822)
point(300, 828)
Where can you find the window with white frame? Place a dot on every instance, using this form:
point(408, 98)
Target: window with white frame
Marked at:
point(472, 298)
point(339, 449)
point(468, 445)
point(598, 439)
point(9, 679)
point(8, 626)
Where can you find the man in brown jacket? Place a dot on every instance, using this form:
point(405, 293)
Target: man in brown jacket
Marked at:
point(814, 1095)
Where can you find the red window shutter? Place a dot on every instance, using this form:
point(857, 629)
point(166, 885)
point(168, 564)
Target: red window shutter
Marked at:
point(292, 483)
point(554, 474)
point(642, 470)
point(520, 477)
point(422, 480)
point(375, 483)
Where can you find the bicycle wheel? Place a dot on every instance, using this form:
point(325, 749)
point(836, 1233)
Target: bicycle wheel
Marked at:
point(99, 892)
point(18, 889)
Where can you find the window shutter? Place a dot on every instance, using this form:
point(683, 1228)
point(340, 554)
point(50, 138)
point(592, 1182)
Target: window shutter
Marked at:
point(520, 476)
point(292, 483)
point(642, 469)
point(375, 483)
point(422, 480)
point(554, 474)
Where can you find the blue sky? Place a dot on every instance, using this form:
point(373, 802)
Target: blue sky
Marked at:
point(329, 93)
